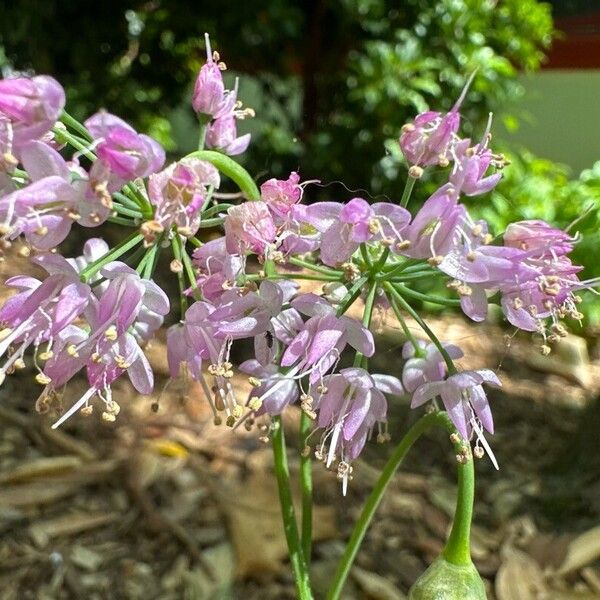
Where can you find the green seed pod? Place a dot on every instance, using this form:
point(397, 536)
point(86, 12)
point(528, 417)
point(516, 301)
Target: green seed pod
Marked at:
point(445, 581)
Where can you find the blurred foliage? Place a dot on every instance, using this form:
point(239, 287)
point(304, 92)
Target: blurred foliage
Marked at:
point(334, 80)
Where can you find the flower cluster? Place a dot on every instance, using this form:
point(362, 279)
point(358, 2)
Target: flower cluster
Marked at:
point(239, 268)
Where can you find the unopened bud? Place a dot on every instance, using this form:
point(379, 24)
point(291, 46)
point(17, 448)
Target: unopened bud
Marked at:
point(448, 581)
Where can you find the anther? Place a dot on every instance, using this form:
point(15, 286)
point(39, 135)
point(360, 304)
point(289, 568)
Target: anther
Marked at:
point(42, 379)
point(111, 333)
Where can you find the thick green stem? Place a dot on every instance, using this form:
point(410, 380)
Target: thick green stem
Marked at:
point(288, 513)
point(408, 188)
point(458, 547)
point(231, 169)
point(306, 486)
point(127, 244)
point(373, 501)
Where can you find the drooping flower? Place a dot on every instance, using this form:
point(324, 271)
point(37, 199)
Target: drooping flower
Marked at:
point(179, 193)
point(465, 401)
point(538, 238)
point(40, 310)
point(348, 405)
point(470, 166)
point(45, 210)
point(272, 390)
point(217, 269)
point(318, 346)
point(222, 135)
point(109, 362)
point(126, 298)
point(32, 105)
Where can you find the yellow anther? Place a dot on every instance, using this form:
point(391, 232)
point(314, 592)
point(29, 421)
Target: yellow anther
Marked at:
point(42, 379)
point(111, 333)
point(255, 403)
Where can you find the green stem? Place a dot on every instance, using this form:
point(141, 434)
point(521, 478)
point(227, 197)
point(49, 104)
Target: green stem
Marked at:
point(458, 548)
point(405, 329)
point(217, 208)
point(306, 487)
point(123, 210)
point(126, 201)
point(408, 188)
point(351, 296)
point(365, 256)
point(215, 222)
point(204, 121)
point(414, 276)
point(187, 264)
point(287, 511)
point(390, 271)
point(152, 259)
point(74, 124)
point(306, 276)
point(373, 501)
point(298, 262)
point(122, 221)
point(63, 136)
point(130, 242)
point(366, 320)
point(180, 277)
point(231, 169)
point(428, 297)
point(378, 266)
point(413, 313)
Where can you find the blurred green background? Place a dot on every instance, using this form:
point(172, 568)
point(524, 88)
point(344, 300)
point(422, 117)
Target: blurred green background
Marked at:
point(333, 81)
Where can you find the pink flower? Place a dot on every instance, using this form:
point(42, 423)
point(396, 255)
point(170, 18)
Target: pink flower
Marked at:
point(282, 195)
point(428, 139)
point(249, 227)
point(32, 105)
point(465, 400)
point(221, 134)
point(121, 150)
point(536, 237)
point(179, 193)
point(210, 97)
point(349, 404)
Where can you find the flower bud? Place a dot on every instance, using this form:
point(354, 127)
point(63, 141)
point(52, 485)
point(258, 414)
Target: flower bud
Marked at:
point(446, 581)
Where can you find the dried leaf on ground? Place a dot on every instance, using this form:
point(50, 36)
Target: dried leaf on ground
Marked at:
point(255, 526)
